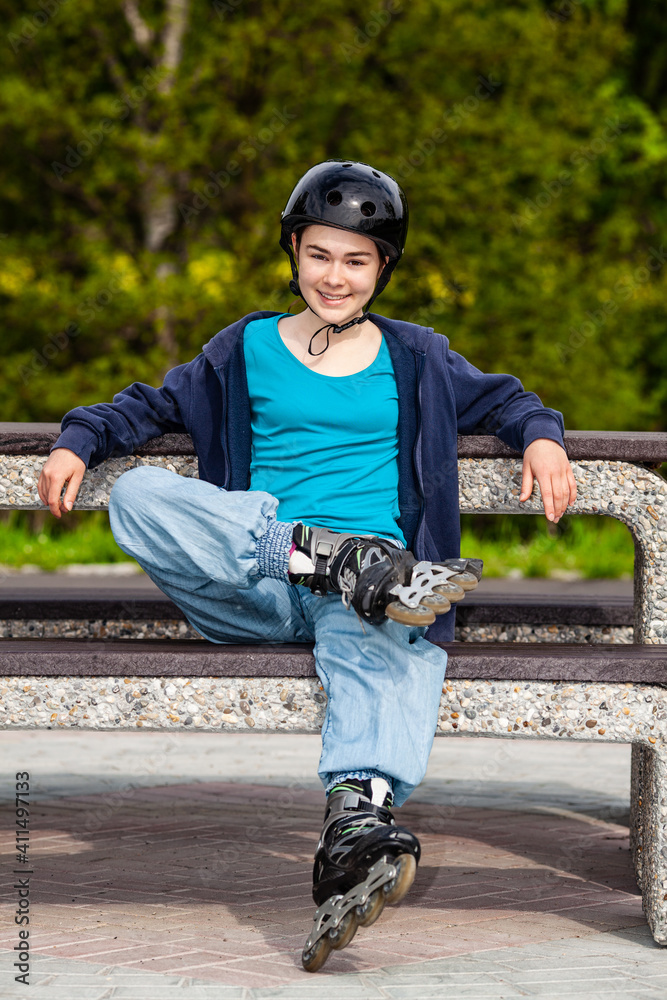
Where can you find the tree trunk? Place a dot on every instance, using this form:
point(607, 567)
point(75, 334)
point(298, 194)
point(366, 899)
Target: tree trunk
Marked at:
point(158, 197)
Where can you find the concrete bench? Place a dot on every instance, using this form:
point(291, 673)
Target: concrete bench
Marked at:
point(608, 693)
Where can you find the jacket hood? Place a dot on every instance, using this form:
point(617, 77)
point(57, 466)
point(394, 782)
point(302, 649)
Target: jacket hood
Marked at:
point(219, 348)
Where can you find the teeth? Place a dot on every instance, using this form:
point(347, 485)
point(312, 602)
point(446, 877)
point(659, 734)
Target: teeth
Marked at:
point(334, 298)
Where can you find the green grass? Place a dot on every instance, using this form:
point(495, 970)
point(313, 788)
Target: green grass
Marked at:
point(587, 546)
point(594, 547)
point(40, 540)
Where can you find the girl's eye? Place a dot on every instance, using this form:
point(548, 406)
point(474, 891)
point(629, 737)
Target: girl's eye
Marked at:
point(319, 256)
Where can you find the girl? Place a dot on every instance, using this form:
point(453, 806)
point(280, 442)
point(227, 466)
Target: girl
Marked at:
point(327, 456)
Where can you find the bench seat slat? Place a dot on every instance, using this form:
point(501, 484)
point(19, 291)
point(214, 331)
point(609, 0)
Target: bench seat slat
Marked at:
point(197, 658)
point(607, 611)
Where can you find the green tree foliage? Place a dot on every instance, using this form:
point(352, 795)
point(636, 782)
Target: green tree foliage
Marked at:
point(149, 146)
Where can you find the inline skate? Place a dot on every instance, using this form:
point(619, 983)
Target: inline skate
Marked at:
point(377, 578)
point(363, 863)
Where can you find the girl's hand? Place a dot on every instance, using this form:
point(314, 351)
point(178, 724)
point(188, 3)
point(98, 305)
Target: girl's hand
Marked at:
point(62, 466)
point(546, 461)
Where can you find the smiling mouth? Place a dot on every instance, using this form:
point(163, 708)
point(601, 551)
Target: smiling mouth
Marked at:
point(332, 298)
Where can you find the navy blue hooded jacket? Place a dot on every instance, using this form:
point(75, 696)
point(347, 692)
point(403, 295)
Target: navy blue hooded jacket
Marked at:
point(440, 395)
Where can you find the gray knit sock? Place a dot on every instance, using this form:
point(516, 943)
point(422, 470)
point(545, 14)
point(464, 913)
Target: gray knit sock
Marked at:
point(379, 793)
point(273, 549)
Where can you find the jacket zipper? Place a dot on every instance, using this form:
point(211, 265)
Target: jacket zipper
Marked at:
point(417, 458)
point(223, 432)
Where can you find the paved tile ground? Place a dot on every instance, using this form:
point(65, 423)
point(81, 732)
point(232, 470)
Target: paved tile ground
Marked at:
point(170, 883)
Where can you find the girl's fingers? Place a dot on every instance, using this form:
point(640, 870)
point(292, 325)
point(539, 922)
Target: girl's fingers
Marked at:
point(72, 489)
point(564, 494)
point(526, 482)
point(53, 497)
point(546, 489)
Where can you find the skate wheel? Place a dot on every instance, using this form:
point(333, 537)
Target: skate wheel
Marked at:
point(436, 602)
point(420, 615)
point(313, 959)
point(395, 890)
point(467, 581)
point(371, 909)
point(340, 937)
point(451, 591)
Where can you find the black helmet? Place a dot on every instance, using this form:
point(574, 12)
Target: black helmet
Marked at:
point(353, 196)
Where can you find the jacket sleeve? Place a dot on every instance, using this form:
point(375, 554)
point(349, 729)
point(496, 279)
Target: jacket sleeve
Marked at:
point(498, 404)
point(137, 414)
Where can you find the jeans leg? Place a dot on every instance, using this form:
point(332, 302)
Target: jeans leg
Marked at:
point(197, 542)
point(384, 685)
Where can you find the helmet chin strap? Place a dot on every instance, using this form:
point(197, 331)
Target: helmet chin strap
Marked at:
point(329, 327)
point(334, 329)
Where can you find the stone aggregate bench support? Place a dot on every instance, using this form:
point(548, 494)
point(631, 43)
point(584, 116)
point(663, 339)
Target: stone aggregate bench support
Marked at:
point(620, 489)
point(591, 711)
point(648, 834)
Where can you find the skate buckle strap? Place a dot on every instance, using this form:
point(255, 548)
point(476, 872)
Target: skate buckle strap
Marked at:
point(320, 556)
point(323, 550)
point(355, 802)
point(324, 545)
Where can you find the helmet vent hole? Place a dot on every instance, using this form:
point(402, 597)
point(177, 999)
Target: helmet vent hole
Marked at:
point(368, 209)
point(375, 173)
point(334, 197)
point(348, 165)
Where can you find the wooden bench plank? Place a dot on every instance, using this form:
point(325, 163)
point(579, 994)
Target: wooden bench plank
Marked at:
point(539, 610)
point(197, 658)
point(472, 611)
point(89, 609)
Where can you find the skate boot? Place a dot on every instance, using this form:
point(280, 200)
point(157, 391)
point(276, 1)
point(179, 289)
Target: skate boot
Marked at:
point(378, 578)
point(363, 863)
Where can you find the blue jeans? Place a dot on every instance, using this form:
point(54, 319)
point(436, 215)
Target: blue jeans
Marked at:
point(197, 542)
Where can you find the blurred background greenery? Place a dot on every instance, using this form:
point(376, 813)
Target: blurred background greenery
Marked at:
point(590, 547)
point(150, 146)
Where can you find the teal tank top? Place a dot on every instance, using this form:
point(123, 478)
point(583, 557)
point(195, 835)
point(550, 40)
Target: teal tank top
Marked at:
point(326, 447)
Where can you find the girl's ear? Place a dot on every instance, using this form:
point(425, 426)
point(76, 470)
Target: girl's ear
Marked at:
point(294, 245)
